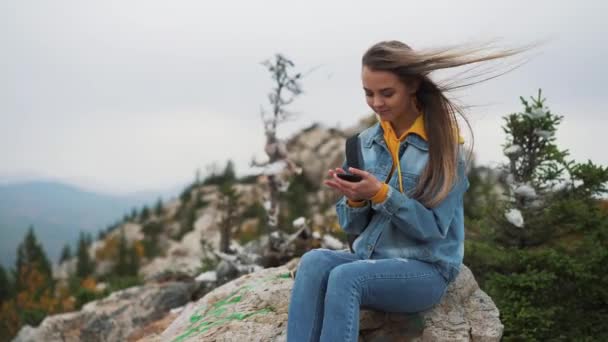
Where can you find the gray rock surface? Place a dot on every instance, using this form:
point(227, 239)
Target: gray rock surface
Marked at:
point(113, 318)
point(254, 308)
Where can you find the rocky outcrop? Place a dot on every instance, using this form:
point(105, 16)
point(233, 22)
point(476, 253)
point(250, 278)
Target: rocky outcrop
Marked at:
point(318, 148)
point(254, 308)
point(113, 318)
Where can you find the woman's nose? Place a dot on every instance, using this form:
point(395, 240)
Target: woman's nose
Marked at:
point(377, 101)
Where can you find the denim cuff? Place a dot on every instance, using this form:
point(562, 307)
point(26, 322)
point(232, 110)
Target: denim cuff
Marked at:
point(391, 204)
point(353, 210)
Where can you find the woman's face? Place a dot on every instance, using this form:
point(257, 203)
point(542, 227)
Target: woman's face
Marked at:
point(387, 95)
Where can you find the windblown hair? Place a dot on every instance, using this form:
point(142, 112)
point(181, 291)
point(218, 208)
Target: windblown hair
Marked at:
point(413, 69)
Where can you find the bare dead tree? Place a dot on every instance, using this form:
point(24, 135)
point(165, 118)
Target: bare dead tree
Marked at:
point(278, 168)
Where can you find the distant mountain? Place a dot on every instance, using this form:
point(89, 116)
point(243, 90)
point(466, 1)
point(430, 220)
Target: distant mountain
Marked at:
point(59, 211)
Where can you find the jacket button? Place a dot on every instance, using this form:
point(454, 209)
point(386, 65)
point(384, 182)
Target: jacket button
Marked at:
point(369, 247)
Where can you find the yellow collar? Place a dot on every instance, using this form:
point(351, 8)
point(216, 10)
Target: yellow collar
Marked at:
point(392, 142)
point(417, 127)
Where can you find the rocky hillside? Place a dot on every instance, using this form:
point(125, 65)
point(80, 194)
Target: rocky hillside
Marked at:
point(188, 228)
point(181, 262)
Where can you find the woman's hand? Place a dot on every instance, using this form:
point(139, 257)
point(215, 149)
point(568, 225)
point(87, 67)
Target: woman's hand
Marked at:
point(355, 191)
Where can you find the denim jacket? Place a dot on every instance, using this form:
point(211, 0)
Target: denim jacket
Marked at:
point(402, 227)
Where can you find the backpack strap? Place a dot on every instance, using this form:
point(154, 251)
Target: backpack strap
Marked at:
point(353, 159)
point(353, 152)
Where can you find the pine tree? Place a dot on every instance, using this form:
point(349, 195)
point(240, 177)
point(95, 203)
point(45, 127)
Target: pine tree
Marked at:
point(84, 264)
point(134, 214)
point(30, 255)
point(5, 285)
point(132, 262)
point(229, 175)
point(539, 174)
point(545, 266)
point(228, 206)
point(145, 213)
point(158, 209)
point(184, 197)
point(66, 253)
point(127, 263)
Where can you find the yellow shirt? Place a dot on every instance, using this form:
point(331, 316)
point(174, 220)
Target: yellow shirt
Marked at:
point(393, 142)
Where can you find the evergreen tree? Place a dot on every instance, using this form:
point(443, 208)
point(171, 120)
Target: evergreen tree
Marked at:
point(127, 263)
point(158, 209)
point(199, 201)
point(229, 175)
point(219, 178)
point(133, 262)
point(150, 242)
point(188, 218)
point(539, 176)
point(84, 264)
point(228, 205)
point(185, 195)
point(134, 214)
point(545, 266)
point(30, 255)
point(33, 283)
point(66, 253)
point(121, 266)
point(5, 285)
point(482, 196)
point(145, 213)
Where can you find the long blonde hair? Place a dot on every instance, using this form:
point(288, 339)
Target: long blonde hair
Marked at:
point(413, 69)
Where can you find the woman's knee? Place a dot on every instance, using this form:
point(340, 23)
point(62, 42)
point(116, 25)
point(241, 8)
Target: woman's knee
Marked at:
point(313, 257)
point(345, 275)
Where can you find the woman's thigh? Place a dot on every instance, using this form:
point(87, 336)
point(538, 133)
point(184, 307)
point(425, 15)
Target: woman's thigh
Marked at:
point(394, 285)
point(324, 260)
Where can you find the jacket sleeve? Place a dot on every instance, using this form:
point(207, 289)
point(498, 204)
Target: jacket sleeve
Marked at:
point(418, 221)
point(353, 220)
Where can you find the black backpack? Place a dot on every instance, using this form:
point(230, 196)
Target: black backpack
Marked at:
point(353, 159)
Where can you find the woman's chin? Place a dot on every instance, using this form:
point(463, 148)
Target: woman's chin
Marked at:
point(384, 115)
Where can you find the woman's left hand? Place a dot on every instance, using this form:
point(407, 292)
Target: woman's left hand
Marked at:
point(356, 191)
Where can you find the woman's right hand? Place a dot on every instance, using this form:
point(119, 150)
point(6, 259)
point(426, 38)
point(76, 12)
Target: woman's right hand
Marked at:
point(354, 191)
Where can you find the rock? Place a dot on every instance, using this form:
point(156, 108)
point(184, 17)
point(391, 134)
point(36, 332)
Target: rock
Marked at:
point(209, 276)
point(133, 232)
point(316, 149)
point(113, 318)
point(331, 242)
point(152, 331)
point(254, 308)
point(63, 270)
point(185, 256)
point(226, 271)
point(187, 266)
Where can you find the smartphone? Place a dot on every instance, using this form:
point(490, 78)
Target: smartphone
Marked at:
point(349, 177)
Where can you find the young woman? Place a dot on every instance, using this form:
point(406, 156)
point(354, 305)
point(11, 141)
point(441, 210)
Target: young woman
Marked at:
point(407, 210)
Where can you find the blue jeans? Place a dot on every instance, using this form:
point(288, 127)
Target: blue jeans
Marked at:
point(331, 286)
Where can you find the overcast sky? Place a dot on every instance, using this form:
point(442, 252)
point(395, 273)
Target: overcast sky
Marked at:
point(122, 96)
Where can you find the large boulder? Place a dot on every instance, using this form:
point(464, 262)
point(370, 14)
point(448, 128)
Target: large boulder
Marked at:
point(113, 318)
point(316, 149)
point(254, 308)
